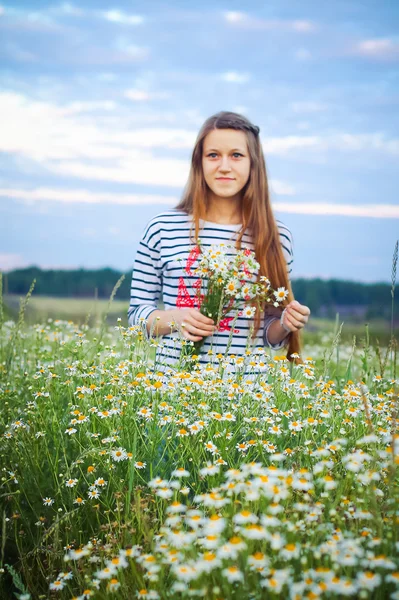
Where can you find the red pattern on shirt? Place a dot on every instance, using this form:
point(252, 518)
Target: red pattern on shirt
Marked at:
point(184, 300)
point(224, 325)
point(192, 257)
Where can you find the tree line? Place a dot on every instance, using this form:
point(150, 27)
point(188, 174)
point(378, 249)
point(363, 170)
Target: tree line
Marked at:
point(324, 297)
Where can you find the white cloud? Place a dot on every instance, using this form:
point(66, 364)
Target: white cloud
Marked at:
point(89, 232)
point(301, 107)
point(302, 54)
point(378, 211)
point(235, 17)
point(66, 8)
point(48, 133)
point(82, 107)
point(380, 48)
point(85, 197)
point(90, 197)
point(280, 188)
point(138, 95)
point(245, 21)
point(69, 140)
point(375, 211)
point(10, 261)
point(117, 16)
point(133, 51)
point(366, 261)
point(339, 142)
point(303, 26)
point(106, 77)
point(241, 109)
point(26, 20)
point(234, 77)
point(303, 125)
point(114, 230)
point(284, 145)
point(15, 52)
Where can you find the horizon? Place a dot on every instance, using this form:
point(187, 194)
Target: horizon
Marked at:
point(78, 268)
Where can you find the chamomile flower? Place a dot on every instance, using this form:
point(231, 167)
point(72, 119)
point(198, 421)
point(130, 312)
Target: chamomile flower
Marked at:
point(71, 483)
point(368, 580)
point(100, 482)
point(289, 551)
point(180, 472)
point(233, 574)
point(329, 482)
point(113, 585)
point(210, 446)
point(214, 524)
point(117, 562)
point(254, 531)
point(105, 573)
point(280, 294)
point(93, 493)
point(182, 432)
point(77, 554)
point(185, 572)
point(176, 507)
point(232, 287)
point(119, 454)
point(258, 561)
point(244, 517)
point(147, 594)
point(57, 585)
point(65, 575)
point(207, 562)
point(164, 492)
point(210, 469)
point(249, 312)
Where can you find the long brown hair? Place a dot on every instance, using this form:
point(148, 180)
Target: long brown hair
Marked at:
point(257, 213)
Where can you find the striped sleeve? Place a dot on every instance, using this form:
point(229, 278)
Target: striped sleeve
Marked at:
point(287, 245)
point(272, 313)
point(146, 285)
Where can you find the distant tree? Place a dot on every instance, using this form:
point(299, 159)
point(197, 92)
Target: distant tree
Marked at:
point(324, 297)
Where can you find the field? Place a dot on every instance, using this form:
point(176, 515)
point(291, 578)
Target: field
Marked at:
point(79, 310)
point(250, 478)
point(91, 310)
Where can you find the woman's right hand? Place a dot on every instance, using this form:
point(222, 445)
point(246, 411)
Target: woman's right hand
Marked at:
point(193, 324)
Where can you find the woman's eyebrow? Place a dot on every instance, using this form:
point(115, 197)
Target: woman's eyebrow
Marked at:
point(232, 150)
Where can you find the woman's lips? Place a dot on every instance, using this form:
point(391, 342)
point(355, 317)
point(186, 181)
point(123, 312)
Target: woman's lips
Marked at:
point(224, 179)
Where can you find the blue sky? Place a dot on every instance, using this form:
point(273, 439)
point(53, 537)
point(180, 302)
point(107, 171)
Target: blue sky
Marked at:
point(100, 105)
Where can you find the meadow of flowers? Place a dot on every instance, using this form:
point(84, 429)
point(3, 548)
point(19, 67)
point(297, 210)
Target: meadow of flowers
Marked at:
point(251, 477)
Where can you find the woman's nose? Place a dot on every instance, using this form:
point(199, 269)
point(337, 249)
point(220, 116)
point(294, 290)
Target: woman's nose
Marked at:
point(225, 166)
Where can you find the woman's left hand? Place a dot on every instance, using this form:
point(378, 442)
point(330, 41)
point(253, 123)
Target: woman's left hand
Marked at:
point(296, 316)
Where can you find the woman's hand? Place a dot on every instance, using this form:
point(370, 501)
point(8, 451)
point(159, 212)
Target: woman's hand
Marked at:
point(296, 316)
point(193, 324)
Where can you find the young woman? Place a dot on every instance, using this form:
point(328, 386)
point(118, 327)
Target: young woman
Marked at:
point(226, 200)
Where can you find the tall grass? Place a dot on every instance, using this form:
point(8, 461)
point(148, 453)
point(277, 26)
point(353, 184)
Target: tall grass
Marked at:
point(244, 478)
point(394, 344)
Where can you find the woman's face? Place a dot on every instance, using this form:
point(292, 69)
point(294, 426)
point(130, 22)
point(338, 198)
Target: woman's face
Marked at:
point(225, 155)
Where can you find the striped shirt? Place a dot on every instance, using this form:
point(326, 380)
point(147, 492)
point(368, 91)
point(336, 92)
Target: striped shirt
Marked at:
point(159, 276)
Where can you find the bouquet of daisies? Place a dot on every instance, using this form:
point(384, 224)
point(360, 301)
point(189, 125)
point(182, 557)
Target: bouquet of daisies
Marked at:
point(228, 282)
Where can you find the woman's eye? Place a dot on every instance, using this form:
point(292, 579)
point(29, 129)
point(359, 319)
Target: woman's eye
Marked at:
point(212, 154)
